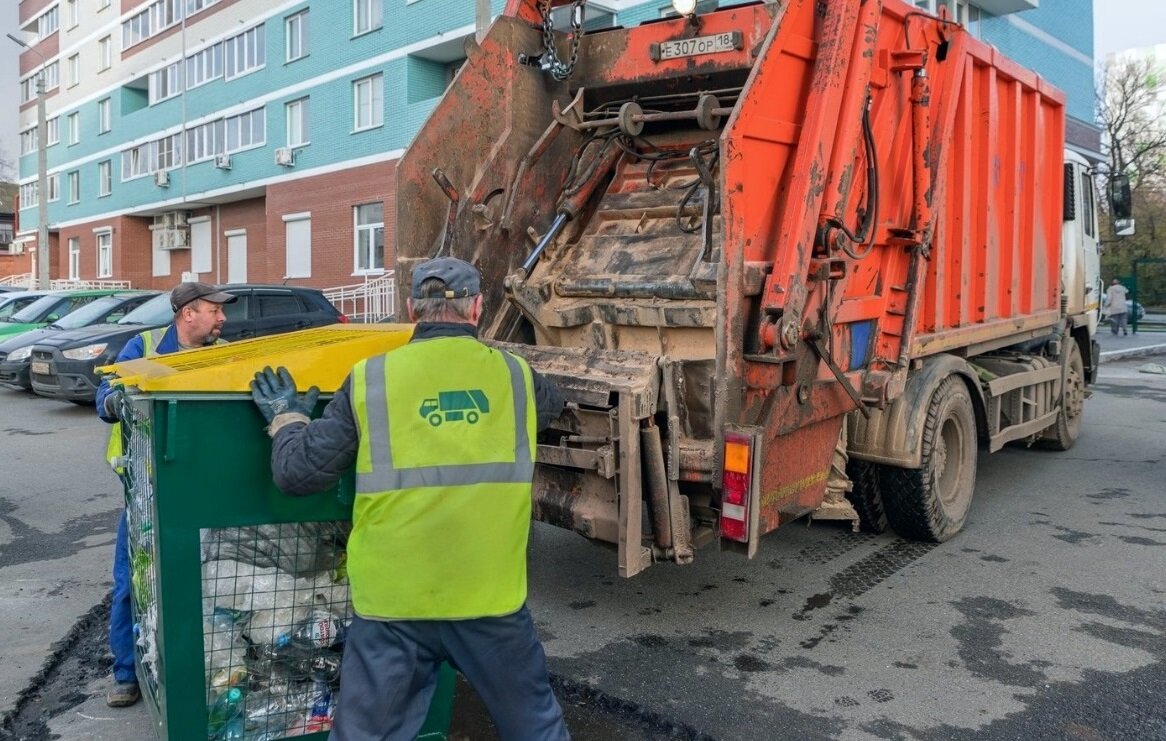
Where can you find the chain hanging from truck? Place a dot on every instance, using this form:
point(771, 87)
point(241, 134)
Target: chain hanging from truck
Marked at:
point(551, 62)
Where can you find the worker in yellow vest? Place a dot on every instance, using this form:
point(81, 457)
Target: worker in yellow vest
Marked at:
point(198, 321)
point(442, 432)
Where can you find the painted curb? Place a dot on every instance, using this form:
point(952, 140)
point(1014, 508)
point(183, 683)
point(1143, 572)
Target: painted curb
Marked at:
point(1133, 352)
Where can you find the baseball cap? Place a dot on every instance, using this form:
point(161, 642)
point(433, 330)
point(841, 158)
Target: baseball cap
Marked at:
point(184, 293)
point(461, 279)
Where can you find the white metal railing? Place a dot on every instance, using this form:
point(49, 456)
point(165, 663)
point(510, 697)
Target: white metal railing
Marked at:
point(66, 283)
point(370, 301)
point(28, 280)
point(22, 280)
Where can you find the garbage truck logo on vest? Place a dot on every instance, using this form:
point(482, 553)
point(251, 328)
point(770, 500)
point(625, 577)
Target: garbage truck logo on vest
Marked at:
point(464, 405)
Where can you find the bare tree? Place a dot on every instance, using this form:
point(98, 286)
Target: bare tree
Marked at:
point(1131, 107)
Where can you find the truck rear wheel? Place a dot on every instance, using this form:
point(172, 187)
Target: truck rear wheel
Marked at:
point(931, 502)
point(1063, 434)
point(866, 496)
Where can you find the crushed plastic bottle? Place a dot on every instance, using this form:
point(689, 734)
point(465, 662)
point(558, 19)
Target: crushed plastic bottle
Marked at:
point(225, 649)
point(321, 629)
point(226, 708)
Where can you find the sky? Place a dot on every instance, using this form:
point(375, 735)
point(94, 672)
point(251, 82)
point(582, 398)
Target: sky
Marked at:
point(1117, 24)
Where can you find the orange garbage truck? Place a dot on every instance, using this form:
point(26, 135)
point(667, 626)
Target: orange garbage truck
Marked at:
point(785, 259)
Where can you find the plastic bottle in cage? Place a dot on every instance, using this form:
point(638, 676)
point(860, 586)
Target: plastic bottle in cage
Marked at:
point(322, 666)
point(226, 708)
point(320, 714)
point(235, 730)
point(320, 630)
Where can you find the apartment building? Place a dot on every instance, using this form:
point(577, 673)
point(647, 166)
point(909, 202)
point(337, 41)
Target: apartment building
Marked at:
point(256, 140)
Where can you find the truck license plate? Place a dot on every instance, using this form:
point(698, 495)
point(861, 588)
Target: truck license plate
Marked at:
point(728, 41)
point(40, 368)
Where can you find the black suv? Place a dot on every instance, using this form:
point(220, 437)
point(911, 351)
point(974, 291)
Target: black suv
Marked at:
point(63, 364)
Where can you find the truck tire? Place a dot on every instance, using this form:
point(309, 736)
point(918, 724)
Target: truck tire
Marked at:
point(866, 497)
point(1063, 434)
point(931, 502)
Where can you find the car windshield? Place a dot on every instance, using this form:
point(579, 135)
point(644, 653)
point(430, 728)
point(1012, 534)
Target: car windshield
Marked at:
point(37, 309)
point(154, 312)
point(90, 313)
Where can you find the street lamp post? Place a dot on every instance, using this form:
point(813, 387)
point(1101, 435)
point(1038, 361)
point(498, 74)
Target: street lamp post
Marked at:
point(42, 174)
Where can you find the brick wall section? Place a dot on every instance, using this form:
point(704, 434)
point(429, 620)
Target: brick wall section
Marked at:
point(330, 198)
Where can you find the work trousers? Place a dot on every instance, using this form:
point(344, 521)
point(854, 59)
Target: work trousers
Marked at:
point(121, 615)
point(389, 673)
point(1117, 322)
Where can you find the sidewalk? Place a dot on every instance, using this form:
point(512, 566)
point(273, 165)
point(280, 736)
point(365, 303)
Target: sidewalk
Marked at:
point(1119, 347)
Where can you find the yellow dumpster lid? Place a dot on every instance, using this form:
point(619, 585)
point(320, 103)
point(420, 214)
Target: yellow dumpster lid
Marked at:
point(316, 357)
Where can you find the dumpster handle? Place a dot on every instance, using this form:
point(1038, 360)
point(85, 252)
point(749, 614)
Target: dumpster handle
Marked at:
point(171, 431)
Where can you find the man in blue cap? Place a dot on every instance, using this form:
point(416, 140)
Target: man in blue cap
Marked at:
point(442, 432)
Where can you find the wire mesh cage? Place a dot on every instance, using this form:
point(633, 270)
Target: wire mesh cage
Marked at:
point(240, 593)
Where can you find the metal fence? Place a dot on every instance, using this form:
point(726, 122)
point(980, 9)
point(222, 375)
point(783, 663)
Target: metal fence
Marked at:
point(28, 280)
point(370, 301)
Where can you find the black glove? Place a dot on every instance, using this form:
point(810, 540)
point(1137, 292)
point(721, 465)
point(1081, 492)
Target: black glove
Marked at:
point(274, 392)
point(112, 404)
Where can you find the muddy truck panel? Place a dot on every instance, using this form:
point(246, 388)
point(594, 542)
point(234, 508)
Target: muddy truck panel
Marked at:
point(725, 235)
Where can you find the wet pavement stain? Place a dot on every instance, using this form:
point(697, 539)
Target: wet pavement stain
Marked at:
point(1107, 494)
point(581, 604)
point(30, 544)
point(881, 695)
point(23, 431)
point(980, 641)
point(1073, 537)
point(994, 559)
point(815, 602)
point(1113, 706)
point(1134, 540)
point(751, 663)
point(801, 662)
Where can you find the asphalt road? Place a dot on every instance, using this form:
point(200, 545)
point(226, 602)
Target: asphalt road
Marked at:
point(1046, 618)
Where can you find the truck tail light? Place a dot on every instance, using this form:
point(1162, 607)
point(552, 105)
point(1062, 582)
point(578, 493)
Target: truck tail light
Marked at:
point(735, 486)
point(343, 319)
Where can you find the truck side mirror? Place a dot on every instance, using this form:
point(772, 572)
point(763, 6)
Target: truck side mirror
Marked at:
point(1120, 200)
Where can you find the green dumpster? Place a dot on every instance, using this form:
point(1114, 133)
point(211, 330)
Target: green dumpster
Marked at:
point(240, 591)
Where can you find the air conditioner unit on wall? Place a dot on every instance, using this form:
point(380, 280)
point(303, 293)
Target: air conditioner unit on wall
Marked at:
point(285, 156)
point(223, 161)
point(171, 239)
point(162, 179)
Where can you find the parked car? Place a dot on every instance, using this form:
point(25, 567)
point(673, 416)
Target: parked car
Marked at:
point(16, 352)
point(14, 301)
point(10, 289)
point(62, 365)
point(47, 309)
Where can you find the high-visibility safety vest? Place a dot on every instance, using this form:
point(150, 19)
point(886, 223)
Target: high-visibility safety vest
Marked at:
point(443, 481)
point(113, 449)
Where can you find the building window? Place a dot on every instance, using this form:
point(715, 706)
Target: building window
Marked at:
point(297, 123)
point(54, 188)
point(204, 66)
point(165, 83)
point(105, 254)
point(204, 141)
point(103, 4)
point(244, 53)
point(104, 177)
point(169, 152)
point(28, 195)
point(74, 258)
point(74, 122)
point(104, 116)
point(47, 23)
point(74, 70)
point(298, 230)
point(52, 74)
point(369, 239)
point(368, 102)
point(29, 141)
point(138, 161)
point(366, 16)
point(71, 17)
point(296, 32)
point(52, 131)
point(104, 54)
point(74, 187)
point(246, 130)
